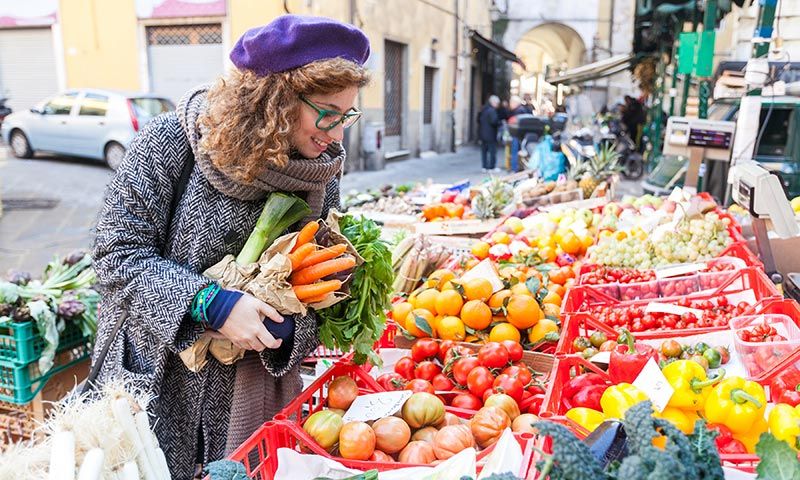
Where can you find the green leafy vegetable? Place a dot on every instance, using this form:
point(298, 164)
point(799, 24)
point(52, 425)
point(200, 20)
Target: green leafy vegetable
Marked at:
point(359, 321)
point(777, 460)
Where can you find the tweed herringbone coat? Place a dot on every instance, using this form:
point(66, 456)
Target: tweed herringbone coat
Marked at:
point(191, 410)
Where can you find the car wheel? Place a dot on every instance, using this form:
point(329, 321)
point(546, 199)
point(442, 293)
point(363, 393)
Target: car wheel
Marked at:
point(20, 146)
point(114, 155)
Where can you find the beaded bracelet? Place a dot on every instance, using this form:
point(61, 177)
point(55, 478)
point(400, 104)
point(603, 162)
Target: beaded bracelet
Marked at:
point(201, 302)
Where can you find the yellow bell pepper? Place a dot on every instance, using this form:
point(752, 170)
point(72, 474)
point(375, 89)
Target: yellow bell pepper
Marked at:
point(617, 399)
point(682, 419)
point(750, 439)
point(784, 423)
point(736, 403)
point(691, 384)
point(587, 418)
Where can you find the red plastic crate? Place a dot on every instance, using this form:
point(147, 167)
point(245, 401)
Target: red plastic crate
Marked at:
point(386, 341)
point(741, 250)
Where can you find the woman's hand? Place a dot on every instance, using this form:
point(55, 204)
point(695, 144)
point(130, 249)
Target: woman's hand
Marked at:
point(245, 324)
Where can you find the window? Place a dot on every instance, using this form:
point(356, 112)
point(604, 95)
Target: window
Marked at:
point(61, 105)
point(150, 107)
point(202, 34)
point(94, 105)
point(776, 133)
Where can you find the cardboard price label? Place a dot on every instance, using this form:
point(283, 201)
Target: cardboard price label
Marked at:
point(376, 405)
point(678, 270)
point(655, 385)
point(656, 307)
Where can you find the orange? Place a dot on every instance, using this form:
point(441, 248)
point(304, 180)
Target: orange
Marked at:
point(523, 311)
point(547, 254)
point(436, 321)
point(552, 297)
point(504, 331)
point(542, 328)
point(496, 300)
point(451, 328)
point(501, 238)
point(520, 289)
point(587, 241)
point(570, 243)
point(551, 310)
point(438, 278)
point(557, 289)
point(557, 276)
point(476, 315)
point(449, 302)
point(415, 318)
point(400, 312)
point(478, 289)
point(481, 249)
point(427, 300)
point(412, 298)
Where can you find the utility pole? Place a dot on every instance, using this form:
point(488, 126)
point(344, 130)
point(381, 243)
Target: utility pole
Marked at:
point(455, 78)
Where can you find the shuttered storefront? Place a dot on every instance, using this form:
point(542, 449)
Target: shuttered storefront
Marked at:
point(27, 66)
point(181, 57)
point(393, 96)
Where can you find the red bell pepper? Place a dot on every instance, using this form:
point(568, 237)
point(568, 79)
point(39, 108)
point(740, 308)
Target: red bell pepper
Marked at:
point(629, 358)
point(785, 388)
point(726, 444)
point(584, 390)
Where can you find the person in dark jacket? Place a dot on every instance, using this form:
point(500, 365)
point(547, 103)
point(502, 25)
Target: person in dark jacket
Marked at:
point(275, 123)
point(488, 123)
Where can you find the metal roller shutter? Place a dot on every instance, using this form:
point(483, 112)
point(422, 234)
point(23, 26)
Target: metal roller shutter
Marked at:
point(27, 66)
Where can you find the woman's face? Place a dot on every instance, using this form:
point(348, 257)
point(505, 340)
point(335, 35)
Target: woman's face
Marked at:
point(307, 138)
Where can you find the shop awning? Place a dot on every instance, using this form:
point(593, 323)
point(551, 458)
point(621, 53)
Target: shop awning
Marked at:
point(593, 71)
point(496, 48)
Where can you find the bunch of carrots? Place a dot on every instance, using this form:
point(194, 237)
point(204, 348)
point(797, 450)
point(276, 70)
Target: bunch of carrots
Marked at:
point(314, 267)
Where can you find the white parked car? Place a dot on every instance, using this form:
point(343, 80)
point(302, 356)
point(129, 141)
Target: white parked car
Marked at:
point(84, 123)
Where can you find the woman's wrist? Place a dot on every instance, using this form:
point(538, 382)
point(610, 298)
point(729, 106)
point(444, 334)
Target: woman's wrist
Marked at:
point(213, 304)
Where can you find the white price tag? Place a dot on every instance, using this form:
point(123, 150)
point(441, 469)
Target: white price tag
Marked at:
point(656, 307)
point(680, 270)
point(601, 357)
point(747, 296)
point(376, 405)
point(655, 385)
point(485, 269)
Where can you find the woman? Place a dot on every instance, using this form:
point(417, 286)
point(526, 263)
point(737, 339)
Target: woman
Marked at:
point(274, 124)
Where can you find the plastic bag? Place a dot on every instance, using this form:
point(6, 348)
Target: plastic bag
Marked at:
point(549, 163)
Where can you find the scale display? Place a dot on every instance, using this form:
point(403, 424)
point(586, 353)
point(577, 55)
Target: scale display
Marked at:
point(709, 138)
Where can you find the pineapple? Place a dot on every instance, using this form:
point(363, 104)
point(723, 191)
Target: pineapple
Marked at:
point(598, 169)
point(492, 199)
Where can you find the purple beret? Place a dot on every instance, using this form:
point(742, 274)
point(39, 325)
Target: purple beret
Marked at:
point(291, 41)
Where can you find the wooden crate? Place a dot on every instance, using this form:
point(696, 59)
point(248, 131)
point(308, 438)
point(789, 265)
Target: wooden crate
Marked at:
point(19, 422)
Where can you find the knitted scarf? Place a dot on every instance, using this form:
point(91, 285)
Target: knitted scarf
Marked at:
point(305, 176)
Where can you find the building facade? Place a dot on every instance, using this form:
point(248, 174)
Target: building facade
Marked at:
point(420, 98)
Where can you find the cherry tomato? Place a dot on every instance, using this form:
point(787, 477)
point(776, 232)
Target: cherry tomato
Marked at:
point(456, 351)
point(392, 381)
point(514, 350)
point(420, 385)
point(521, 373)
point(405, 367)
point(442, 383)
point(462, 368)
point(536, 389)
point(423, 349)
point(479, 380)
point(509, 385)
point(445, 347)
point(466, 400)
point(493, 355)
point(427, 370)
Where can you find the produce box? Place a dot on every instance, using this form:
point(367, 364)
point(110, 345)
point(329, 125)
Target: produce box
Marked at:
point(259, 453)
point(20, 384)
point(21, 343)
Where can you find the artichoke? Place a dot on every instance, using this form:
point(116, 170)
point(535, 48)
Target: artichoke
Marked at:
point(71, 308)
point(74, 257)
point(19, 278)
point(22, 314)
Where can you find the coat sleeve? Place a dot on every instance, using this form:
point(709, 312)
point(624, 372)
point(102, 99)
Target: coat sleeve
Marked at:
point(131, 233)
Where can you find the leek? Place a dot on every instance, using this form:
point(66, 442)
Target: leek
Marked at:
point(279, 213)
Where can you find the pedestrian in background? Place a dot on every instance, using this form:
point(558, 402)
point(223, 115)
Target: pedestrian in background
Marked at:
point(488, 124)
point(517, 108)
point(273, 124)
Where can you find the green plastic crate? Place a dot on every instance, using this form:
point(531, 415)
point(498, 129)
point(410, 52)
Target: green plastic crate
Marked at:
point(21, 343)
point(20, 383)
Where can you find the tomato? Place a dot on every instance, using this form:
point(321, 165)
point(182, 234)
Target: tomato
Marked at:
point(417, 453)
point(449, 419)
point(378, 456)
point(505, 403)
point(493, 355)
point(423, 349)
point(324, 427)
point(456, 352)
point(488, 424)
point(462, 368)
point(424, 434)
point(442, 383)
point(356, 441)
point(341, 393)
point(509, 385)
point(427, 370)
point(391, 434)
point(524, 423)
point(521, 373)
point(422, 409)
point(467, 401)
point(405, 367)
point(420, 385)
point(445, 347)
point(514, 350)
point(479, 380)
point(536, 389)
point(451, 440)
point(392, 381)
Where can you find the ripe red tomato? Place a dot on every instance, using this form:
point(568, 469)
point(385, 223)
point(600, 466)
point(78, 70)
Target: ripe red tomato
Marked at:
point(479, 380)
point(466, 400)
point(456, 351)
point(514, 350)
point(405, 367)
point(392, 381)
point(509, 385)
point(423, 349)
point(462, 368)
point(493, 355)
point(440, 383)
point(420, 385)
point(445, 347)
point(427, 370)
point(522, 373)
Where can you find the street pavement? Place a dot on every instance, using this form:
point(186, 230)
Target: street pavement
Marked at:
point(51, 203)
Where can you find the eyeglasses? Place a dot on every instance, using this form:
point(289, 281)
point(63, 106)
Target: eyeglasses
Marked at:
point(328, 119)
